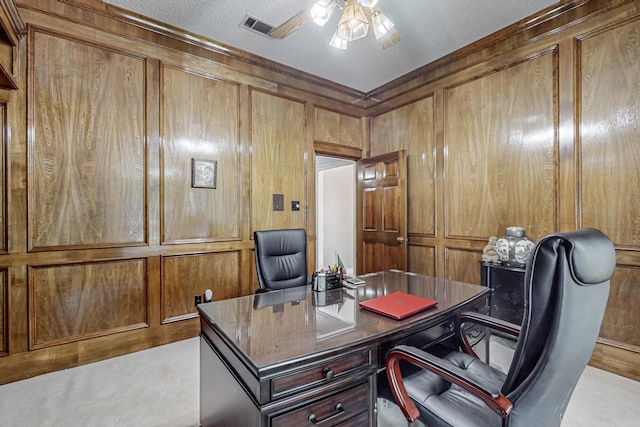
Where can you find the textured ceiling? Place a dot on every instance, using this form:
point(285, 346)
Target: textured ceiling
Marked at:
point(429, 30)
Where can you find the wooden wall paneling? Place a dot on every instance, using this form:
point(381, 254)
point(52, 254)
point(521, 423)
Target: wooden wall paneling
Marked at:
point(327, 126)
point(567, 159)
point(440, 206)
point(119, 32)
point(501, 145)
point(93, 32)
point(621, 321)
point(609, 160)
point(422, 259)
point(200, 118)
point(17, 318)
point(80, 301)
point(462, 265)
point(81, 47)
point(609, 62)
point(351, 131)
point(153, 290)
point(245, 162)
point(11, 23)
point(4, 128)
point(613, 358)
point(248, 282)
point(338, 128)
point(337, 150)
point(411, 127)
point(185, 276)
point(16, 162)
point(309, 201)
point(4, 309)
point(154, 143)
point(279, 156)
point(87, 166)
point(151, 34)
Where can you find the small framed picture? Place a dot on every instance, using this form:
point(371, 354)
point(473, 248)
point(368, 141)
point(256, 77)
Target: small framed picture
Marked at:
point(204, 173)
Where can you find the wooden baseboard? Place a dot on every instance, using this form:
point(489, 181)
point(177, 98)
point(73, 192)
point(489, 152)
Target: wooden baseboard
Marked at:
point(623, 360)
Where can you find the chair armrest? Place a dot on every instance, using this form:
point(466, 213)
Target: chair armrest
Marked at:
point(503, 326)
point(491, 396)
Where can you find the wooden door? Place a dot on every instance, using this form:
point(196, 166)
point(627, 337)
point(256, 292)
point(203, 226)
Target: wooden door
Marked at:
point(382, 213)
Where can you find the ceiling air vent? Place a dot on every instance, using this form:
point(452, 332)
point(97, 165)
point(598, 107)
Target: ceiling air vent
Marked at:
point(255, 25)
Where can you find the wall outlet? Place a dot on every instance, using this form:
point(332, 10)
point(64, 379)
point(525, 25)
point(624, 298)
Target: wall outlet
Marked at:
point(197, 300)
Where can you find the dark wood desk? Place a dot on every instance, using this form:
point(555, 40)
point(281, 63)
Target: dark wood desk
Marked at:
point(299, 357)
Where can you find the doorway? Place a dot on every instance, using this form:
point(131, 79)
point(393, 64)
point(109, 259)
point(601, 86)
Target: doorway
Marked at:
point(335, 212)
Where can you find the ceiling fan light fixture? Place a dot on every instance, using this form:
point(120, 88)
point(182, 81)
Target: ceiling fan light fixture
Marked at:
point(381, 24)
point(321, 11)
point(337, 42)
point(353, 24)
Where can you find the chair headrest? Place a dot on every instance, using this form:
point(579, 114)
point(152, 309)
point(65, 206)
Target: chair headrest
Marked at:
point(591, 255)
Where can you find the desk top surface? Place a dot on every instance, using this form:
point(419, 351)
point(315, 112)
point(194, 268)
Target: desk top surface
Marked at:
point(274, 327)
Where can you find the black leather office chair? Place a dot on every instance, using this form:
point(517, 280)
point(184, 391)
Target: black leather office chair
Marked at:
point(566, 291)
point(281, 258)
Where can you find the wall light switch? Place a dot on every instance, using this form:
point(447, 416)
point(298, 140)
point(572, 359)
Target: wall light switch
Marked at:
point(278, 202)
point(295, 205)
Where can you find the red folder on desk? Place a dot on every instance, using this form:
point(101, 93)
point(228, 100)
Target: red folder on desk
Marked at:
point(398, 305)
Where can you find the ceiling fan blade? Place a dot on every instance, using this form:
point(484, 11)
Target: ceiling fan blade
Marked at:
point(290, 25)
point(390, 39)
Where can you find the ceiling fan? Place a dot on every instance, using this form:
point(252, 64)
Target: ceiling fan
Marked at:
point(357, 17)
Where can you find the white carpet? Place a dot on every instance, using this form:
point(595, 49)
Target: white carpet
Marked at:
point(159, 387)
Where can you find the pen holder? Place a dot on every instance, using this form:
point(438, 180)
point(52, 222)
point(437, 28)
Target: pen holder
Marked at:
point(323, 281)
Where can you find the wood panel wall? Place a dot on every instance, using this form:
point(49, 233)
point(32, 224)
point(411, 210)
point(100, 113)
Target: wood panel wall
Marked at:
point(104, 242)
point(200, 119)
point(542, 136)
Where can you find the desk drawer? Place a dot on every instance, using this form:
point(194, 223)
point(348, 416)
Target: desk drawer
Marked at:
point(321, 373)
point(344, 408)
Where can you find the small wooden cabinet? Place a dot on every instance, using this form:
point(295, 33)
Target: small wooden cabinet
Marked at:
point(507, 291)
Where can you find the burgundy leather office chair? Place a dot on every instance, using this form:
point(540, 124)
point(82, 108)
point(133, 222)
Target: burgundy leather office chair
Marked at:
point(566, 291)
point(281, 258)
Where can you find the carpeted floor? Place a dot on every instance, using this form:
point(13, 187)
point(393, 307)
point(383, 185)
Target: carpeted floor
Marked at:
point(160, 387)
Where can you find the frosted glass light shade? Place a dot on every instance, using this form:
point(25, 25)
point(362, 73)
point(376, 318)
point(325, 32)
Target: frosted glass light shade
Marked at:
point(321, 11)
point(337, 42)
point(353, 24)
point(381, 24)
point(368, 3)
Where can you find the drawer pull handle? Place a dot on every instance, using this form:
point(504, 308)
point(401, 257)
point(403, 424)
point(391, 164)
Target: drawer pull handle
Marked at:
point(328, 374)
point(339, 412)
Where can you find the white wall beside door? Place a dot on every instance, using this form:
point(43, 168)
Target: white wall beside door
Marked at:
point(335, 211)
